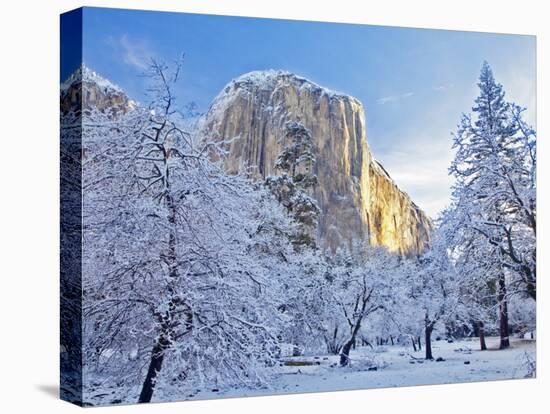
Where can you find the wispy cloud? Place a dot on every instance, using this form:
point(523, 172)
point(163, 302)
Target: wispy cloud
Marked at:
point(134, 52)
point(443, 88)
point(394, 98)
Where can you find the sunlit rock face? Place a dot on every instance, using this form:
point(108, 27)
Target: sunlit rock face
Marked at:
point(358, 199)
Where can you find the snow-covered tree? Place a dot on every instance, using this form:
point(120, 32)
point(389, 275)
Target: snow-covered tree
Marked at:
point(406, 315)
point(435, 290)
point(291, 187)
point(71, 256)
point(494, 196)
point(475, 262)
point(306, 303)
point(184, 263)
point(360, 284)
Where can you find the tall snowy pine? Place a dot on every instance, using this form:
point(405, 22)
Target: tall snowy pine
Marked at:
point(296, 163)
point(490, 207)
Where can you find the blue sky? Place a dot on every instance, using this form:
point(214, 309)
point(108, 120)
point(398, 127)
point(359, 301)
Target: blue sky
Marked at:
point(414, 83)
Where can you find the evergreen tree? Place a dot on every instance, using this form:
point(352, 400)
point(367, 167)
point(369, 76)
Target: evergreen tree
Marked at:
point(493, 207)
point(291, 188)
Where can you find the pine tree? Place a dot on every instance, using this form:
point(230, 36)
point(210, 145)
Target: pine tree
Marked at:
point(493, 206)
point(291, 188)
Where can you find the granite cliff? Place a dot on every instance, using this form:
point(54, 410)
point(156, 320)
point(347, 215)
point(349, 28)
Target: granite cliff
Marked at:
point(85, 89)
point(358, 199)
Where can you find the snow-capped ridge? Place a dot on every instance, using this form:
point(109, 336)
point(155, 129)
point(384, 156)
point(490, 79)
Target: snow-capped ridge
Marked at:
point(85, 74)
point(268, 80)
point(86, 89)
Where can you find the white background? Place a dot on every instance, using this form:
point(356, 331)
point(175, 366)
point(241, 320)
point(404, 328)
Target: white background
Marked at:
point(29, 217)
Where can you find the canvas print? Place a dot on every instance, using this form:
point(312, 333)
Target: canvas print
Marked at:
point(263, 206)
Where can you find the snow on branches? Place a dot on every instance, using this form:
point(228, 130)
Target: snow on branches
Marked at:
point(193, 278)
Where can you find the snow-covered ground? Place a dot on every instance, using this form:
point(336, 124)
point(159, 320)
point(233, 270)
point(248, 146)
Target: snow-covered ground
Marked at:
point(397, 366)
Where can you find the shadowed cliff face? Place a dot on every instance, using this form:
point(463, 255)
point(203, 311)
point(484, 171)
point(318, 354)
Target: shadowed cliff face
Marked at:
point(85, 90)
point(358, 199)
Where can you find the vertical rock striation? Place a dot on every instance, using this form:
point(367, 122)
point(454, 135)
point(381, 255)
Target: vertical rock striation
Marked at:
point(358, 199)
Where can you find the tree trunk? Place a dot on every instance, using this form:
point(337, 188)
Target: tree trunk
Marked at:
point(157, 356)
point(344, 355)
point(332, 344)
point(391, 339)
point(414, 344)
point(171, 256)
point(419, 344)
point(503, 313)
point(167, 321)
point(531, 285)
point(481, 333)
point(428, 339)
